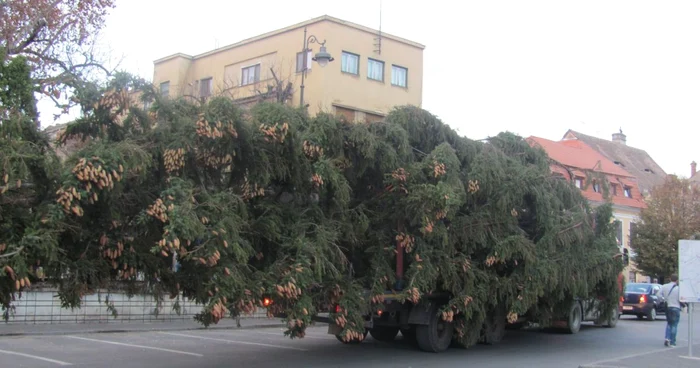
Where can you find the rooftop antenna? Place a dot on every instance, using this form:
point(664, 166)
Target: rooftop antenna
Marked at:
point(378, 39)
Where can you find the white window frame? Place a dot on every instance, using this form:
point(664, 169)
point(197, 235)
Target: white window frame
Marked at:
point(369, 70)
point(309, 60)
point(394, 68)
point(343, 65)
point(256, 68)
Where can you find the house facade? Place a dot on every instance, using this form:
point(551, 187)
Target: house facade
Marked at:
point(600, 181)
point(371, 71)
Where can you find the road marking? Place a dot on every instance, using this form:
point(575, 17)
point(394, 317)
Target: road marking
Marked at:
point(232, 341)
point(632, 356)
point(307, 336)
point(35, 357)
point(689, 357)
point(135, 346)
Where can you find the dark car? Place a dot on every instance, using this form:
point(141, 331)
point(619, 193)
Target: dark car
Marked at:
point(643, 300)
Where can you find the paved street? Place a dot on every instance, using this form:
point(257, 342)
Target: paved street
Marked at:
point(632, 344)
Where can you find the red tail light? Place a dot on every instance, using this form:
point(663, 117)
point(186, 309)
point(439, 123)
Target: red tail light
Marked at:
point(643, 299)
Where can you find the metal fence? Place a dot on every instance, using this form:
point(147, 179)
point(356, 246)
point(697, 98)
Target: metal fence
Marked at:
point(43, 306)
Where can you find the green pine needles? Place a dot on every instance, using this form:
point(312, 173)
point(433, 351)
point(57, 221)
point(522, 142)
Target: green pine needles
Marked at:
point(311, 212)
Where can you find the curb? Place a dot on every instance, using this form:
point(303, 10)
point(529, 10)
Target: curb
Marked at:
point(126, 330)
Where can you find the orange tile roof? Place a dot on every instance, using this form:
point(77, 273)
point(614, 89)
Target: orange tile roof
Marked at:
point(578, 157)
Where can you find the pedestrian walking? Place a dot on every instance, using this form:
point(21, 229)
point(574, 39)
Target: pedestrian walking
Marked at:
point(670, 292)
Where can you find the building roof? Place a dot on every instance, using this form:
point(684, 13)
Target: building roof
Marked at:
point(634, 160)
point(579, 158)
point(291, 28)
point(577, 155)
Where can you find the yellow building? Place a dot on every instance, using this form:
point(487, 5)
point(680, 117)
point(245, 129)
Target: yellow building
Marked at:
point(370, 71)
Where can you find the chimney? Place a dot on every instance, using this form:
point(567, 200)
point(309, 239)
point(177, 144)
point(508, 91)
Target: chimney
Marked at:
point(619, 137)
point(693, 168)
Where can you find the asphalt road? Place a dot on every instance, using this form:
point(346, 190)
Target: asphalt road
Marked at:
point(267, 347)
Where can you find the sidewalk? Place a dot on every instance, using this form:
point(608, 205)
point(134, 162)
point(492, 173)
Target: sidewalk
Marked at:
point(19, 329)
point(662, 358)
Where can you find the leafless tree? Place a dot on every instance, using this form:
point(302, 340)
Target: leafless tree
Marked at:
point(58, 38)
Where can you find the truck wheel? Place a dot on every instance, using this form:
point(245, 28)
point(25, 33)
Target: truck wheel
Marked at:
point(614, 317)
point(575, 318)
point(436, 336)
point(384, 333)
point(493, 331)
point(353, 341)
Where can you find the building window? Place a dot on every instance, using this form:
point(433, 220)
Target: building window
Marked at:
point(300, 61)
point(399, 76)
point(596, 187)
point(618, 236)
point(165, 89)
point(578, 182)
point(350, 63)
point(375, 70)
point(250, 75)
point(614, 188)
point(205, 87)
point(628, 192)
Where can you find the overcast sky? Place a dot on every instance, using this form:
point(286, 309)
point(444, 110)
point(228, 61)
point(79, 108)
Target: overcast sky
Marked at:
point(529, 67)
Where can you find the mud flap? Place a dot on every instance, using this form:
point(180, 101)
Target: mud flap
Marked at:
point(420, 313)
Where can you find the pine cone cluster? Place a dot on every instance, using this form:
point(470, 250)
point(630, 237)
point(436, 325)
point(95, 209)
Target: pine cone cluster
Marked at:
point(317, 181)
point(400, 174)
point(159, 210)
point(473, 186)
point(204, 129)
point(438, 169)
point(250, 193)
point(272, 134)
point(174, 160)
point(312, 151)
point(19, 282)
point(5, 179)
point(218, 311)
point(405, 241)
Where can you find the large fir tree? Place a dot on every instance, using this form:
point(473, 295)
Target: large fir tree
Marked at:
point(313, 211)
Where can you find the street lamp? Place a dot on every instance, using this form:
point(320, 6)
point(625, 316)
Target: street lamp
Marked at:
point(322, 58)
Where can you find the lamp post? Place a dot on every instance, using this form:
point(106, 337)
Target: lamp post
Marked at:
point(322, 57)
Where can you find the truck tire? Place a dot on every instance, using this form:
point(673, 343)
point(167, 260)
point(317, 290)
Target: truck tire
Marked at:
point(612, 320)
point(575, 318)
point(493, 332)
point(494, 327)
point(436, 336)
point(384, 333)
